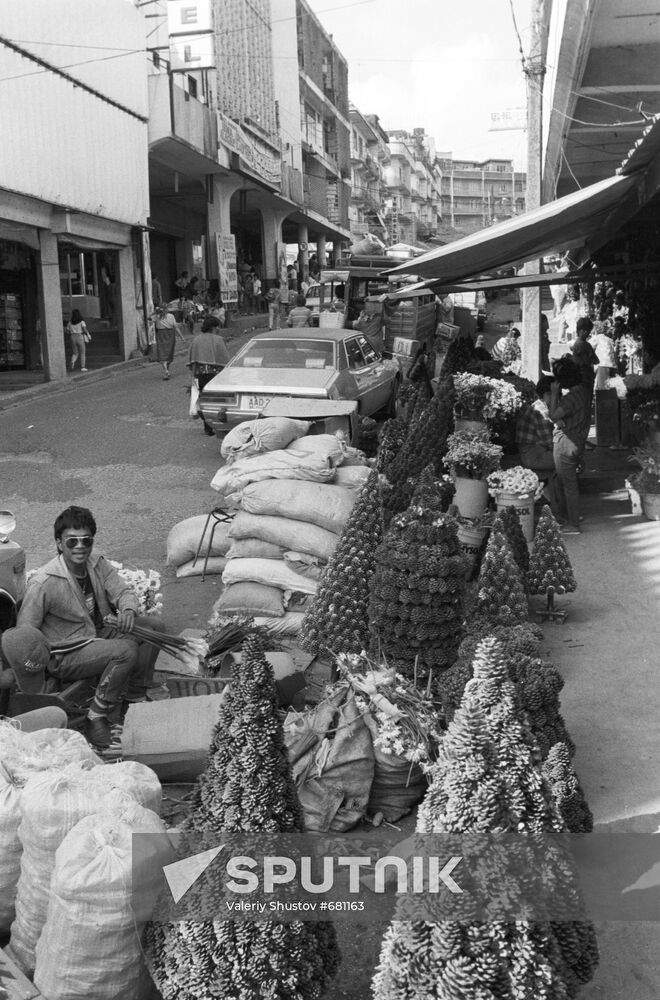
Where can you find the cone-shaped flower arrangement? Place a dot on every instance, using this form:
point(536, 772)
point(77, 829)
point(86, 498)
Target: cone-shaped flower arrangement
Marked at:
point(425, 444)
point(560, 773)
point(508, 522)
point(338, 619)
point(549, 565)
point(416, 604)
point(485, 780)
point(247, 786)
point(392, 436)
point(501, 598)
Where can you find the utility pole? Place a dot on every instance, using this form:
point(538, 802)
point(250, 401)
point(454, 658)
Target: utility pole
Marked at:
point(534, 70)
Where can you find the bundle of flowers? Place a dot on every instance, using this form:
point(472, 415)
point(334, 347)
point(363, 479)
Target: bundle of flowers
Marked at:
point(145, 585)
point(405, 717)
point(471, 454)
point(647, 456)
point(518, 481)
point(485, 398)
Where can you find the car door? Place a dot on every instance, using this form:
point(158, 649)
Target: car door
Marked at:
point(381, 375)
point(368, 374)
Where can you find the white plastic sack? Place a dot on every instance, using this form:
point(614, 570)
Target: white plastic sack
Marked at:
point(231, 479)
point(51, 804)
point(289, 624)
point(283, 531)
point(183, 539)
point(136, 779)
point(90, 943)
point(22, 755)
point(314, 503)
point(250, 598)
point(304, 565)
point(352, 477)
point(330, 447)
point(254, 548)
point(271, 572)
point(256, 436)
point(214, 565)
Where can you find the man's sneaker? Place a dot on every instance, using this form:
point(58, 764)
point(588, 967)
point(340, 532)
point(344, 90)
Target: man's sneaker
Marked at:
point(98, 732)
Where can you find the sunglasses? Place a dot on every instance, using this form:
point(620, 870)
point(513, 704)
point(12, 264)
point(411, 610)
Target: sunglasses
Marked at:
point(85, 540)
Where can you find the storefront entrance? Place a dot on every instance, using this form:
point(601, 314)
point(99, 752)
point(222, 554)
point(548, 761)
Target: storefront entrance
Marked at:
point(20, 348)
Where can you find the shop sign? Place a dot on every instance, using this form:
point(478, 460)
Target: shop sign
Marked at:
point(189, 17)
point(191, 52)
point(252, 158)
point(227, 273)
point(510, 120)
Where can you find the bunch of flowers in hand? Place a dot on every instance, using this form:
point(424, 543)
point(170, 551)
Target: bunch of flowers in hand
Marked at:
point(471, 454)
point(484, 398)
point(145, 585)
point(406, 718)
point(518, 481)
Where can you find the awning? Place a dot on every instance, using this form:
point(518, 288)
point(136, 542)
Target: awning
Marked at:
point(17, 232)
point(586, 217)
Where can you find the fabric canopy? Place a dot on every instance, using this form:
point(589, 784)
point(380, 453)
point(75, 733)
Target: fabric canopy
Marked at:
point(584, 217)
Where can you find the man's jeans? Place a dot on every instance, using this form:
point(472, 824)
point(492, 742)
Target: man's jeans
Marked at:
point(567, 458)
point(274, 311)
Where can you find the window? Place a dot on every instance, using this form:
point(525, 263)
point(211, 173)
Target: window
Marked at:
point(370, 355)
point(354, 354)
point(192, 86)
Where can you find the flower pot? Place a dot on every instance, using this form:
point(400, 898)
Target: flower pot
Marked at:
point(471, 539)
point(524, 508)
point(651, 506)
point(469, 424)
point(471, 496)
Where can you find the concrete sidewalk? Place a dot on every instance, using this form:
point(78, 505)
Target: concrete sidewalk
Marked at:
point(608, 652)
point(240, 330)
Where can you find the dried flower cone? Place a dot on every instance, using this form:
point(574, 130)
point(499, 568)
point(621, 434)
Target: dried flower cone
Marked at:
point(391, 441)
point(549, 565)
point(338, 619)
point(501, 596)
point(416, 603)
point(508, 522)
point(425, 444)
point(485, 779)
point(247, 786)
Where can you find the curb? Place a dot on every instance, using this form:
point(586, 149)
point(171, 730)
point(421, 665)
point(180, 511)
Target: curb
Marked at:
point(16, 398)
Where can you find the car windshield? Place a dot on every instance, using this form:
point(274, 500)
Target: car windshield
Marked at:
point(287, 353)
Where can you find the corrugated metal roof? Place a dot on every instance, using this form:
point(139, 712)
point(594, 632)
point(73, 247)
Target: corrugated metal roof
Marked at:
point(645, 149)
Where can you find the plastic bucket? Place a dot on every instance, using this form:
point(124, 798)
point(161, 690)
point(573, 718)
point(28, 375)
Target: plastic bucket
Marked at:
point(465, 424)
point(651, 506)
point(471, 539)
point(471, 496)
point(524, 508)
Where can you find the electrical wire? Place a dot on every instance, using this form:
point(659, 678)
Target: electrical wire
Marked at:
point(570, 170)
point(520, 44)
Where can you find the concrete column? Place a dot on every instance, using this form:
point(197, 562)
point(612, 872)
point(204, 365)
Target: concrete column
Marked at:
point(272, 220)
point(320, 251)
point(303, 255)
point(218, 217)
point(125, 302)
point(50, 308)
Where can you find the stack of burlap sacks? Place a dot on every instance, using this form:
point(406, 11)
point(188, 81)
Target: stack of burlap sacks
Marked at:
point(66, 863)
point(291, 503)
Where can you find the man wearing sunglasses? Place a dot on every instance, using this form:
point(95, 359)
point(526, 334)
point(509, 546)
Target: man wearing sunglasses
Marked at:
point(61, 625)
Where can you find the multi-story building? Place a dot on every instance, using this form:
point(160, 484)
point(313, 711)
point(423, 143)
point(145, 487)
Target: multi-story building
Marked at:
point(413, 210)
point(477, 194)
point(370, 156)
point(73, 181)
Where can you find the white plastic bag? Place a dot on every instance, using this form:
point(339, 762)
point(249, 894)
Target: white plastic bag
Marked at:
point(136, 779)
point(330, 447)
point(284, 531)
point(195, 567)
point(51, 805)
point(256, 436)
point(90, 943)
point(289, 624)
point(231, 479)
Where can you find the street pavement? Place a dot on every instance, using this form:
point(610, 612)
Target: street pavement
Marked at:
point(124, 446)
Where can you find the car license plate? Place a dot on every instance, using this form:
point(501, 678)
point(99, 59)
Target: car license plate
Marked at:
point(254, 402)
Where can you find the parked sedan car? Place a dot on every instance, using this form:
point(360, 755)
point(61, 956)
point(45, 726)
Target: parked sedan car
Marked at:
point(318, 364)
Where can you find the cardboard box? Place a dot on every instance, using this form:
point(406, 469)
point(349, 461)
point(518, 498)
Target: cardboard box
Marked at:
point(172, 737)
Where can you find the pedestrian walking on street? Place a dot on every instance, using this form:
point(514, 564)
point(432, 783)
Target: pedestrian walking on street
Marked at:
point(166, 331)
point(207, 356)
point(80, 337)
point(300, 314)
point(274, 307)
point(568, 412)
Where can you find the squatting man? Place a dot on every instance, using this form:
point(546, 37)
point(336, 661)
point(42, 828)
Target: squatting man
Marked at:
point(63, 628)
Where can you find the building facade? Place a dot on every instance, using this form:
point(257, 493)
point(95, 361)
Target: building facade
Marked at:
point(370, 156)
point(73, 181)
point(477, 194)
point(412, 201)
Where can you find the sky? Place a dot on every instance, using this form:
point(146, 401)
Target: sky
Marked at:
point(442, 65)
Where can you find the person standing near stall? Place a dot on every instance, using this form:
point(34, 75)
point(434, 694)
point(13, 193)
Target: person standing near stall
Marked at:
point(166, 331)
point(207, 356)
